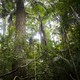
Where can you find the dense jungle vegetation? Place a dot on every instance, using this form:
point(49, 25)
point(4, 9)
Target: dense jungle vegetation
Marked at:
point(39, 39)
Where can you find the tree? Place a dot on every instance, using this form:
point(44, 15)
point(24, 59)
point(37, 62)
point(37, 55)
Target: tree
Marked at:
point(46, 46)
point(20, 40)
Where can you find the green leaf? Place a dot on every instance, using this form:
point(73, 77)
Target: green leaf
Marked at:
point(39, 9)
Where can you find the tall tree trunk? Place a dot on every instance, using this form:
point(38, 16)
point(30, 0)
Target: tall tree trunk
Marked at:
point(43, 39)
point(20, 41)
point(42, 33)
point(20, 28)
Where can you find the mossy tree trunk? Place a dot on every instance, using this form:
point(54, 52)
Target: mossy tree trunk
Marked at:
point(20, 42)
point(20, 28)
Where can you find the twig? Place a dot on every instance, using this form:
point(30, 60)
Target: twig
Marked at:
point(9, 72)
point(75, 15)
point(72, 77)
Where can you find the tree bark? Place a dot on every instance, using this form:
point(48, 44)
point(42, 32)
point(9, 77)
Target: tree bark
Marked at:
point(43, 40)
point(20, 41)
point(42, 33)
point(20, 28)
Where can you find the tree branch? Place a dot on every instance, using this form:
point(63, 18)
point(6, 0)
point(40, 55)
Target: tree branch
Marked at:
point(19, 67)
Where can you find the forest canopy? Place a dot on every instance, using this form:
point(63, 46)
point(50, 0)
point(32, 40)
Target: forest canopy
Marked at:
point(39, 40)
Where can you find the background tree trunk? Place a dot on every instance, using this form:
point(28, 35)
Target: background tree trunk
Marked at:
point(42, 33)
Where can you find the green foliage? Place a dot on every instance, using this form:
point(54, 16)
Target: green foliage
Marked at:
point(60, 58)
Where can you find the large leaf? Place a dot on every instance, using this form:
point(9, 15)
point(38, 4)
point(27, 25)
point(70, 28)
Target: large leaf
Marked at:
point(39, 8)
